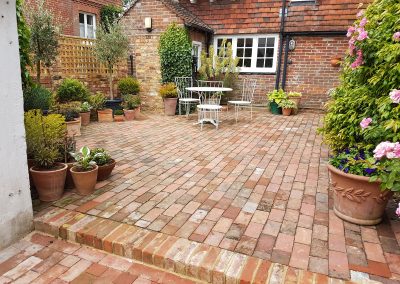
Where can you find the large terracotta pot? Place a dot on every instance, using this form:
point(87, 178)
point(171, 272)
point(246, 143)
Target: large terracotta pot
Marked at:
point(357, 200)
point(69, 182)
point(105, 115)
point(49, 183)
point(85, 118)
point(73, 128)
point(129, 114)
point(286, 111)
point(105, 171)
point(85, 182)
point(170, 106)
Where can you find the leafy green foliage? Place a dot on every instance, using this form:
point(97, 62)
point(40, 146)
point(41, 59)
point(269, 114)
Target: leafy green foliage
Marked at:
point(72, 90)
point(111, 47)
point(131, 101)
point(277, 96)
point(85, 107)
point(118, 112)
point(109, 15)
point(97, 101)
point(175, 52)
point(128, 86)
point(286, 103)
point(220, 67)
point(83, 159)
point(364, 91)
point(69, 110)
point(389, 174)
point(168, 91)
point(37, 97)
point(294, 95)
point(100, 156)
point(354, 161)
point(44, 137)
point(24, 45)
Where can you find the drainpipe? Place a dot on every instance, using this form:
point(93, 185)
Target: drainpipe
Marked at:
point(281, 34)
point(285, 62)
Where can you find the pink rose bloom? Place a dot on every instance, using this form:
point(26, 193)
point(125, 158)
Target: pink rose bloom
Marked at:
point(365, 122)
point(359, 60)
point(396, 150)
point(350, 31)
point(382, 149)
point(352, 46)
point(396, 36)
point(360, 14)
point(395, 96)
point(363, 22)
point(398, 210)
point(362, 34)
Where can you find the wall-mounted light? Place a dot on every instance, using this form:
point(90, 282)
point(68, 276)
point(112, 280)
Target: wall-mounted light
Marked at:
point(292, 44)
point(148, 24)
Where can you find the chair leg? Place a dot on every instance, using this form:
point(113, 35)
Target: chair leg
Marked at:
point(236, 112)
point(187, 109)
point(179, 107)
point(251, 111)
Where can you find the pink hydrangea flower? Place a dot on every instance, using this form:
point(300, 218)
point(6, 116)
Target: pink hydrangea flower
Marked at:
point(363, 22)
point(387, 149)
point(350, 31)
point(365, 122)
point(359, 60)
point(398, 210)
point(362, 34)
point(360, 13)
point(395, 96)
point(396, 36)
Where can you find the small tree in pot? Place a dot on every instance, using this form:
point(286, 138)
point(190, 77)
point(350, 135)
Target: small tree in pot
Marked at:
point(104, 161)
point(169, 94)
point(84, 171)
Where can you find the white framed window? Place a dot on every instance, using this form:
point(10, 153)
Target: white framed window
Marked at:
point(256, 53)
point(87, 25)
point(196, 53)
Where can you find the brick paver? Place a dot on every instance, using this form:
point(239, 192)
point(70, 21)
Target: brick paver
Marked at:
point(258, 188)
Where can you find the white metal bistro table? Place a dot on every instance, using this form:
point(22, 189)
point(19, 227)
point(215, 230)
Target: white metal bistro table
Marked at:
point(209, 107)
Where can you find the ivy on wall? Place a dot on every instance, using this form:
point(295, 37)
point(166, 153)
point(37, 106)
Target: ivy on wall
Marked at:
point(109, 14)
point(24, 45)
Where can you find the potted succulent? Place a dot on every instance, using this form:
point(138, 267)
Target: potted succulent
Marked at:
point(98, 101)
point(85, 113)
point(119, 115)
point(84, 171)
point(361, 124)
point(287, 106)
point(44, 135)
point(275, 97)
point(131, 104)
point(169, 94)
point(104, 161)
point(296, 97)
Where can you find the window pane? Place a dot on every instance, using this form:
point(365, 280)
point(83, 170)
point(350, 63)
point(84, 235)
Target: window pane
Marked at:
point(219, 42)
point(240, 64)
point(239, 52)
point(90, 31)
point(261, 52)
point(249, 42)
point(240, 42)
point(81, 30)
point(81, 18)
point(261, 42)
point(260, 63)
point(270, 52)
point(89, 19)
point(248, 52)
point(271, 42)
point(268, 63)
point(247, 63)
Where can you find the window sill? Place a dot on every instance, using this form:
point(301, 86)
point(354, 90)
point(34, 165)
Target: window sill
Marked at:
point(257, 73)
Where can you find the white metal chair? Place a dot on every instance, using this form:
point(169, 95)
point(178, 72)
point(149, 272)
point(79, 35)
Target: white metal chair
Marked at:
point(185, 97)
point(209, 107)
point(248, 88)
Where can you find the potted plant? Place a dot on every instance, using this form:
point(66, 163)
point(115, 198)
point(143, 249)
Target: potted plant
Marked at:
point(104, 161)
point(131, 106)
point(70, 111)
point(45, 134)
point(85, 113)
point(275, 97)
point(296, 97)
point(98, 103)
point(69, 146)
point(287, 106)
point(169, 94)
point(128, 86)
point(84, 171)
point(119, 115)
point(361, 124)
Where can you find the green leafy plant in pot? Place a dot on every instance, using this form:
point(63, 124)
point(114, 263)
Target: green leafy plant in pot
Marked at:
point(84, 172)
point(287, 106)
point(44, 138)
point(85, 113)
point(98, 102)
point(119, 115)
point(169, 94)
point(296, 97)
point(71, 113)
point(131, 106)
point(274, 98)
point(104, 161)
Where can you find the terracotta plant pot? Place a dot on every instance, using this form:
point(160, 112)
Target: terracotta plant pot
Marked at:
point(105, 115)
point(69, 182)
point(85, 182)
point(297, 102)
point(85, 118)
point(119, 118)
point(49, 183)
point(129, 114)
point(170, 106)
point(136, 113)
point(357, 200)
point(335, 62)
point(286, 111)
point(73, 128)
point(105, 171)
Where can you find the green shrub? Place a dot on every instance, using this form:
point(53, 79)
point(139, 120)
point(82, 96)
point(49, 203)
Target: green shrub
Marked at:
point(100, 156)
point(97, 101)
point(109, 14)
point(72, 90)
point(175, 52)
point(85, 107)
point(286, 103)
point(44, 137)
point(168, 91)
point(118, 112)
point(37, 97)
point(131, 102)
point(128, 86)
point(277, 96)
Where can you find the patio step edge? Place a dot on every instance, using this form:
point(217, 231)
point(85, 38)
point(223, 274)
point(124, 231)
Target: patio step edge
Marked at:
point(187, 258)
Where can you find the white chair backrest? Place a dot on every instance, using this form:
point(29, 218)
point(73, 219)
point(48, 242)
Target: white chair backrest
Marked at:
point(248, 88)
point(181, 84)
point(202, 83)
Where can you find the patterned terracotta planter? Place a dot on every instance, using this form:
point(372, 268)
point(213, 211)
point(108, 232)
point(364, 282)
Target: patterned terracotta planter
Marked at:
point(357, 200)
point(105, 115)
point(85, 118)
point(170, 106)
point(129, 114)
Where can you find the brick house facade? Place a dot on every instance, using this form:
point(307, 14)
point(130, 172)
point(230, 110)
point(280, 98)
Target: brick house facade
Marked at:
point(316, 27)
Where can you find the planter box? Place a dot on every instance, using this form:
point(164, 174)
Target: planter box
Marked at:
point(105, 115)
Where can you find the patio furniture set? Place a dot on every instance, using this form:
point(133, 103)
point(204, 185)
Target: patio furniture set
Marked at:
point(208, 98)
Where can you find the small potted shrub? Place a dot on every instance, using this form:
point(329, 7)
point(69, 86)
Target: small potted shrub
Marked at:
point(45, 135)
point(37, 97)
point(104, 161)
point(70, 111)
point(85, 113)
point(169, 94)
point(296, 97)
point(131, 104)
point(287, 106)
point(98, 102)
point(128, 86)
point(275, 97)
point(71, 90)
point(119, 115)
point(84, 172)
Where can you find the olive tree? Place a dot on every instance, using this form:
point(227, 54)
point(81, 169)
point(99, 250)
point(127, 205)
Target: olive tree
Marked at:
point(111, 47)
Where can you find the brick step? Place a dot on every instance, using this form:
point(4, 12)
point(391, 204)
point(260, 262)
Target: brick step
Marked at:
point(188, 258)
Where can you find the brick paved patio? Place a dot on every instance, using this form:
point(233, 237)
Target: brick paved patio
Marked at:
point(258, 189)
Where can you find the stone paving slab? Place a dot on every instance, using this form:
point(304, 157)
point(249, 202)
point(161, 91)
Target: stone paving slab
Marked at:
point(258, 188)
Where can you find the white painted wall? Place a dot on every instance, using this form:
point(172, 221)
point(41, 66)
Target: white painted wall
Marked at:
point(15, 201)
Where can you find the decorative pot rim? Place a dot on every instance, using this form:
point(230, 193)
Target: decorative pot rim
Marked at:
point(360, 178)
point(109, 164)
point(65, 166)
point(79, 172)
